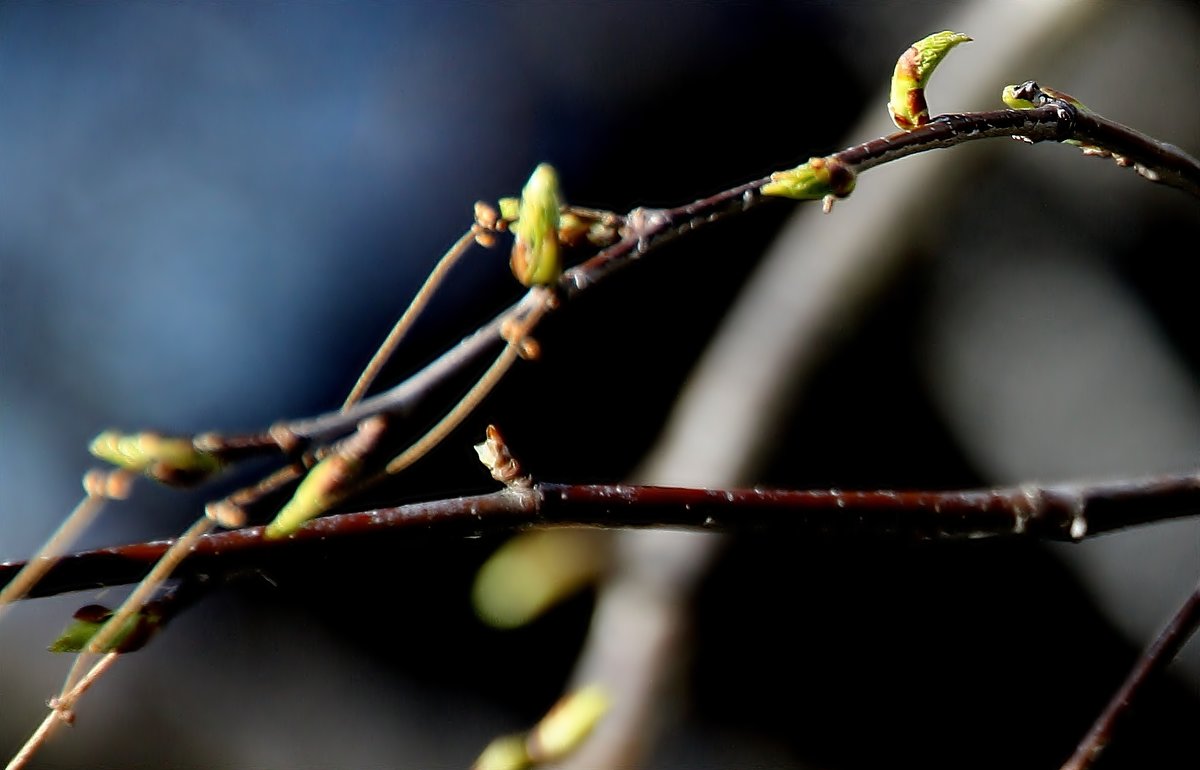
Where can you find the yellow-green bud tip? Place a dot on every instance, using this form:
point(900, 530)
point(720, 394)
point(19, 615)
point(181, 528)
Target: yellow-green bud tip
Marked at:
point(535, 256)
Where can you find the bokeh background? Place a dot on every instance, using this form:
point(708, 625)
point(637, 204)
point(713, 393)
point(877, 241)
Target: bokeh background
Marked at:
point(210, 214)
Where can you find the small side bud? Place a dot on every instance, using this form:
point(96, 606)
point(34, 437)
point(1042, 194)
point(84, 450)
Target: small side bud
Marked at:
point(108, 485)
point(813, 180)
point(174, 461)
point(487, 219)
point(536, 258)
point(510, 209)
point(1029, 94)
point(913, 70)
point(572, 228)
point(486, 215)
point(567, 724)
point(1020, 97)
point(88, 621)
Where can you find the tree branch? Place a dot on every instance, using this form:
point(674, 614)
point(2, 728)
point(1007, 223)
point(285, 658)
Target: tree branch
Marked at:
point(1156, 657)
point(1054, 512)
point(645, 229)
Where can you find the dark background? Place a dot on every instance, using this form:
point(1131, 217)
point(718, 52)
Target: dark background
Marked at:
point(211, 213)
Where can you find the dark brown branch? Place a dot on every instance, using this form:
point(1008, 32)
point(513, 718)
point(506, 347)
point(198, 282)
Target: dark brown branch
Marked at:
point(1155, 160)
point(645, 229)
point(1170, 640)
point(1055, 512)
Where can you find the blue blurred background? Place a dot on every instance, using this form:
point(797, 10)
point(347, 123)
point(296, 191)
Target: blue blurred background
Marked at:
point(210, 214)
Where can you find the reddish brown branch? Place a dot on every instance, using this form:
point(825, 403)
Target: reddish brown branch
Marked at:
point(1055, 512)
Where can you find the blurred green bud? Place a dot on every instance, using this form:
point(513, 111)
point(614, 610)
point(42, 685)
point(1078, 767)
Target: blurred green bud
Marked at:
point(534, 571)
point(567, 724)
point(504, 753)
point(169, 460)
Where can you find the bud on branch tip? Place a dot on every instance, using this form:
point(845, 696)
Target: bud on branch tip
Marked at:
point(535, 256)
point(169, 460)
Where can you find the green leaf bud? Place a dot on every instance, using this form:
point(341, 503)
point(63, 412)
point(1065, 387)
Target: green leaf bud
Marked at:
point(536, 260)
point(169, 460)
point(813, 180)
point(913, 70)
point(329, 481)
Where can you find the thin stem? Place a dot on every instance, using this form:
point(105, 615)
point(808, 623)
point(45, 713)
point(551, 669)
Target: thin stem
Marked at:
point(41, 562)
point(60, 711)
point(1056, 512)
point(62, 706)
point(406, 320)
point(166, 564)
point(1164, 648)
point(473, 397)
point(405, 397)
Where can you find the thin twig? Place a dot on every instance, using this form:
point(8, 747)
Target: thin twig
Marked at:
point(474, 396)
point(60, 712)
point(1055, 512)
point(406, 320)
point(100, 487)
point(165, 565)
point(1164, 648)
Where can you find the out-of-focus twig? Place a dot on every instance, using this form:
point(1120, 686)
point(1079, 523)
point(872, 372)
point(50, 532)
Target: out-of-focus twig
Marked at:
point(1156, 657)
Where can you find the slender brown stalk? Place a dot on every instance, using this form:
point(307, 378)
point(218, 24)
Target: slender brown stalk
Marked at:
point(1054, 512)
point(478, 391)
point(41, 562)
point(165, 566)
point(408, 318)
point(60, 711)
point(1164, 648)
